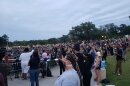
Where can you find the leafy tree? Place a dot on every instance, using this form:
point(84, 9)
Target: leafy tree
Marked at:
point(52, 41)
point(5, 37)
point(2, 42)
point(64, 39)
point(84, 31)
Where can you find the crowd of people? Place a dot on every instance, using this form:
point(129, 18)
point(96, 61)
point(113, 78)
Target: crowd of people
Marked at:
point(76, 60)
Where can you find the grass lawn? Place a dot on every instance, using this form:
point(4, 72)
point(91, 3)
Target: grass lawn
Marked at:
point(124, 79)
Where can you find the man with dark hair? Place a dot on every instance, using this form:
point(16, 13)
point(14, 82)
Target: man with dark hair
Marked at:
point(80, 59)
point(119, 58)
point(61, 65)
point(87, 68)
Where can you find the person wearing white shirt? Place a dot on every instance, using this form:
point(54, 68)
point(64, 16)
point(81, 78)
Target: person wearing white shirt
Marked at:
point(24, 58)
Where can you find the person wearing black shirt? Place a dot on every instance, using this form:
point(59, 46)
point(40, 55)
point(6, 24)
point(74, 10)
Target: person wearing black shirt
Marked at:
point(61, 65)
point(119, 58)
point(34, 68)
point(4, 68)
point(104, 54)
point(87, 68)
point(80, 60)
point(111, 50)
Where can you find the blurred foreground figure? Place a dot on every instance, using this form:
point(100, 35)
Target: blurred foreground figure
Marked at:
point(2, 83)
point(70, 76)
point(4, 71)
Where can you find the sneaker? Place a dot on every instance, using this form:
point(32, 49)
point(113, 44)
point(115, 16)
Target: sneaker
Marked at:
point(118, 74)
point(114, 73)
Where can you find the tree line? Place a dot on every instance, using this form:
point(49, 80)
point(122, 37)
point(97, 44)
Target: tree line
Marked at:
point(4, 40)
point(88, 30)
point(84, 31)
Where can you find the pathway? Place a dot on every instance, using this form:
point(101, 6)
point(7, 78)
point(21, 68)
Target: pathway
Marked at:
point(47, 81)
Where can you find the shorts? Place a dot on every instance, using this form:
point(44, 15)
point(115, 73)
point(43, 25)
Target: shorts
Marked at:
point(25, 67)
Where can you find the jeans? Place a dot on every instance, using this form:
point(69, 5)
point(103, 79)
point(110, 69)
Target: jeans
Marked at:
point(34, 73)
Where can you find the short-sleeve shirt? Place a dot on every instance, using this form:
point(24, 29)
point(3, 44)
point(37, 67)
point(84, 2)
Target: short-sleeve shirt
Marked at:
point(68, 78)
point(25, 57)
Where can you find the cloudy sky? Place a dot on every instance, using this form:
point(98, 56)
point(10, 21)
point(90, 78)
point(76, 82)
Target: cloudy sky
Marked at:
point(43, 19)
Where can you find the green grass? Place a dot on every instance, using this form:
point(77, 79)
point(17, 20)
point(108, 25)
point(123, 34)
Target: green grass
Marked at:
point(124, 79)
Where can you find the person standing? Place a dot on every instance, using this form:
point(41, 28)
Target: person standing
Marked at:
point(119, 58)
point(44, 55)
point(24, 58)
point(80, 62)
point(4, 70)
point(70, 76)
point(61, 65)
point(97, 66)
point(93, 52)
point(111, 49)
point(34, 63)
point(104, 55)
point(2, 82)
point(87, 68)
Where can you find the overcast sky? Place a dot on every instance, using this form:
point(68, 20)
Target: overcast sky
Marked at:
point(43, 19)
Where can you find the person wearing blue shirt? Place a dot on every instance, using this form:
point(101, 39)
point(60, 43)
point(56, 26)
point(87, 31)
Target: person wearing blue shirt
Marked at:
point(70, 76)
